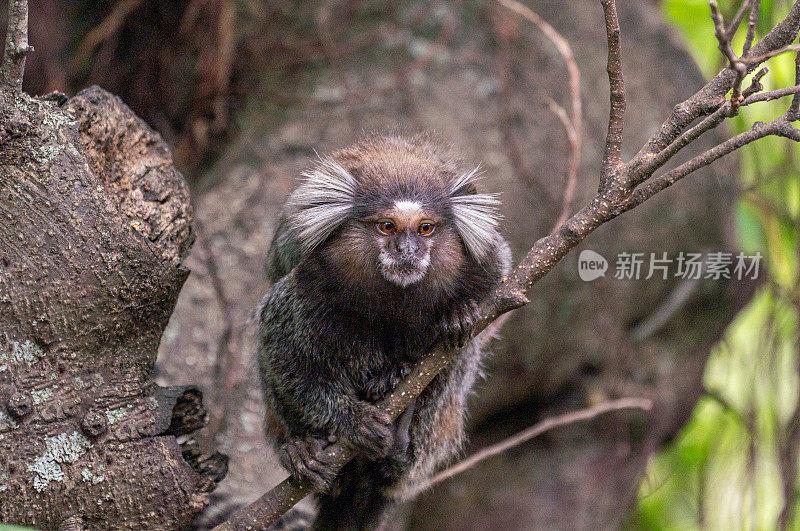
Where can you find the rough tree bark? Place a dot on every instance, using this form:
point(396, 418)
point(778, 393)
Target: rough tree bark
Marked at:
point(94, 223)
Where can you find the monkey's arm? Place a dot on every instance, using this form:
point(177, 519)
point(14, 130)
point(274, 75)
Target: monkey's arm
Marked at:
point(314, 405)
point(319, 405)
point(456, 326)
point(310, 386)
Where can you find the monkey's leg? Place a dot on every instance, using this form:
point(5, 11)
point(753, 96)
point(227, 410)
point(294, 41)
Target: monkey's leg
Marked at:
point(398, 459)
point(357, 500)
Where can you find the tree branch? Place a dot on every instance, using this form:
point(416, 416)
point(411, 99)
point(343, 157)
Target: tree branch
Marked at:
point(537, 429)
point(611, 156)
point(724, 38)
point(574, 160)
point(616, 194)
point(737, 19)
point(751, 25)
point(108, 27)
point(17, 47)
point(708, 98)
point(502, 33)
point(759, 130)
point(225, 372)
point(563, 47)
point(794, 108)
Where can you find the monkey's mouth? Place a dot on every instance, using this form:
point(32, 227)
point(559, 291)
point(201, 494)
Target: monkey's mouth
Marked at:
point(403, 272)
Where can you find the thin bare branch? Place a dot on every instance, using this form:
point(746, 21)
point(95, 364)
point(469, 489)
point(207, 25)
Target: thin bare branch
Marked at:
point(707, 99)
point(669, 307)
point(17, 47)
point(772, 95)
point(737, 19)
point(687, 137)
point(523, 173)
point(573, 124)
point(574, 161)
point(109, 26)
point(794, 108)
point(751, 26)
point(611, 157)
point(538, 429)
point(646, 168)
point(735, 63)
point(779, 126)
point(755, 83)
point(769, 55)
point(564, 48)
point(225, 372)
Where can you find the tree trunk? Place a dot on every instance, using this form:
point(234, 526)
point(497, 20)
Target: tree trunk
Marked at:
point(94, 221)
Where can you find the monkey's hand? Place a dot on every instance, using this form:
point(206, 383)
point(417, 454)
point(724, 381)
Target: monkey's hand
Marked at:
point(373, 431)
point(455, 330)
point(303, 459)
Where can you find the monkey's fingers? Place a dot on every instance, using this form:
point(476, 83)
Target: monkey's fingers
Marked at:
point(456, 330)
point(298, 459)
point(374, 432)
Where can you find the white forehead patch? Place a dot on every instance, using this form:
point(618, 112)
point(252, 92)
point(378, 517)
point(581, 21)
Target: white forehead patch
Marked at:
point(407, 206)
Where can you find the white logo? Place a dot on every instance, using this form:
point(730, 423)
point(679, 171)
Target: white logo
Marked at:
point(591, 265)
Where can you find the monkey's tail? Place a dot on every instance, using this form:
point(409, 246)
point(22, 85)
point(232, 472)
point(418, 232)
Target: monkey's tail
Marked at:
point(356, 502)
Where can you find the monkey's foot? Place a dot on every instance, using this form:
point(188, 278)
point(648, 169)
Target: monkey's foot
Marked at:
point(455, 331)
point(398, 459)
point(373, 434)
point(303, 459)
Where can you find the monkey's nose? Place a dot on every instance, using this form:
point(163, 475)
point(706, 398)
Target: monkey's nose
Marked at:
point(406, 244)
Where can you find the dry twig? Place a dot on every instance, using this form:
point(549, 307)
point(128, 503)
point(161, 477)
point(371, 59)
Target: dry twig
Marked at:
point(572, 124)
point(619, 191)
point(502, 34)
point(109, 26)
point(616, 83)
point(573, 135)
point(538, 429)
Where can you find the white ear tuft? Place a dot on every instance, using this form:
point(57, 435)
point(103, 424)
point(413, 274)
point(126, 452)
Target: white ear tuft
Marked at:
point(476, 217)
point(321, 203)
point(463, 180)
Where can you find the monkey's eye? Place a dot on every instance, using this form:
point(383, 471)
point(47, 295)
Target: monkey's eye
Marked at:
point(426, 229)
point(386, 227)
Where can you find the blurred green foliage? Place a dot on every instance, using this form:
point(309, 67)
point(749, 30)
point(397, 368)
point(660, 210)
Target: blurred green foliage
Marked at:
point(727, 468)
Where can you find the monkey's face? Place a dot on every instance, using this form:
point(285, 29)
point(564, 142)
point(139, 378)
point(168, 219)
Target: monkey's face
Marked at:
point(405, 234)
point(405, 245)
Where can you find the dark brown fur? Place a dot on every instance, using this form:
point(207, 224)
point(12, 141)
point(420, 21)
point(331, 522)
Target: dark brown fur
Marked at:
point(336, 335)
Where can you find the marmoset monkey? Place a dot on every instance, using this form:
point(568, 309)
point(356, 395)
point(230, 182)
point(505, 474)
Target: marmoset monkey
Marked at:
point(385, 248)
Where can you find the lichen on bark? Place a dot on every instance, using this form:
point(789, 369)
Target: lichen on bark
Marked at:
point(95, 222)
